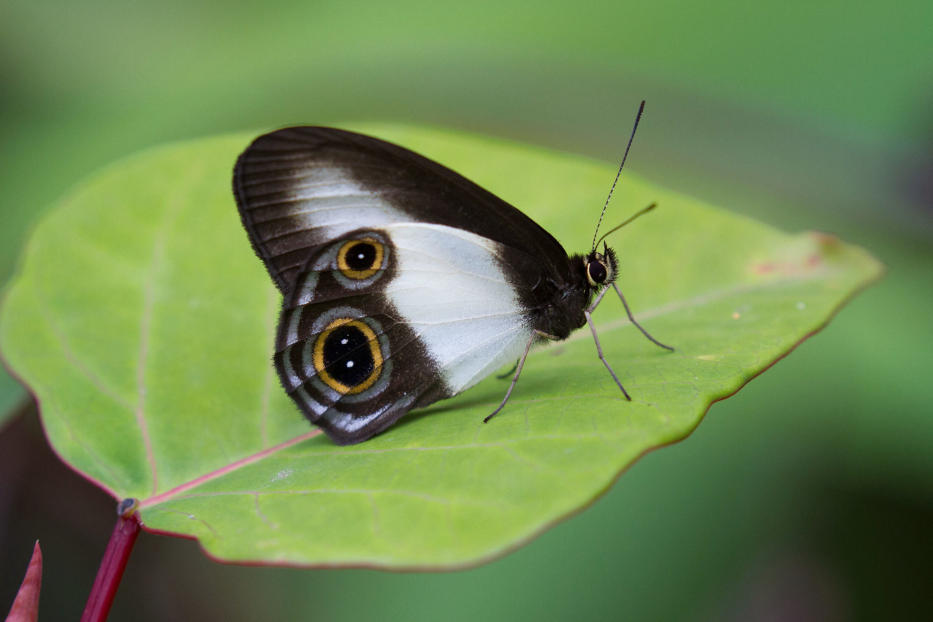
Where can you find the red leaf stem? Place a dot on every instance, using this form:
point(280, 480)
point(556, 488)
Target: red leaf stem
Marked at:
point(114, 562)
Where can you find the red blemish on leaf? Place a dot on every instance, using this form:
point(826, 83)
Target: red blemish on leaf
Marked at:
point(26, 605)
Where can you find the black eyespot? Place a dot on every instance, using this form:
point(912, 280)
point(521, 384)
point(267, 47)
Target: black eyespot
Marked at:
point(360, 259)
point(347, 356)
point(361, 256)
point(596, 272)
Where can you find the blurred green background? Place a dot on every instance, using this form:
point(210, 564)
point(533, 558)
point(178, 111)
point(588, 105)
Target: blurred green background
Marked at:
point(808, 496)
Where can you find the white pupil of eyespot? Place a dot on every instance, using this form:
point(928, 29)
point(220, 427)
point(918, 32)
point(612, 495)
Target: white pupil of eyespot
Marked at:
point(349, 363)
point(360, 256)
point(344, 341)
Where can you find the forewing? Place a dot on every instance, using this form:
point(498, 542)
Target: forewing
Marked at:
point(299, 187)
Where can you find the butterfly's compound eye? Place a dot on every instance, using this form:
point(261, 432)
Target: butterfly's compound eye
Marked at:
point(596, 272)
point(347, 356)
point(360, 259)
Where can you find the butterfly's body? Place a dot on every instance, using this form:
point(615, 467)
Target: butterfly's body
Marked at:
point(403, 282)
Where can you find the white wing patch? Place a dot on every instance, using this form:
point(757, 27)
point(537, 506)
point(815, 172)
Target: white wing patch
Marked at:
point(330, 203)
point(450, 289)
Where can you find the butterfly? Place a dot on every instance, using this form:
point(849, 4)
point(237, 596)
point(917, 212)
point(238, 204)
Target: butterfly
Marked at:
point(403, 282)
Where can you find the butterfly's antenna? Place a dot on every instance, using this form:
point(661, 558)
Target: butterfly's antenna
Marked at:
point(641, 109)
point(625, 222)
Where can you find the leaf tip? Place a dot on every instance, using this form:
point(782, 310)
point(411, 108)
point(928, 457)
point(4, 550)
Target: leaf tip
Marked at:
point(26, 604)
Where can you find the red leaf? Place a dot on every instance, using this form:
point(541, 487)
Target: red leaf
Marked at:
point(26, 606)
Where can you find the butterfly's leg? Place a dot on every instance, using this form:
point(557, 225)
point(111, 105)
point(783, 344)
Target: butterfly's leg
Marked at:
point(599, 351)
point(632, 319)
point(599, 298)
point(518, 370)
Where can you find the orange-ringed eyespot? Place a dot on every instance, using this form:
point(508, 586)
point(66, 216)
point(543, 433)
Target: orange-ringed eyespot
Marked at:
point(360, 259)
point(347, 356)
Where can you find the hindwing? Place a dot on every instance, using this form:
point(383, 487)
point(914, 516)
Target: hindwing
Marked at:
point(381, 321)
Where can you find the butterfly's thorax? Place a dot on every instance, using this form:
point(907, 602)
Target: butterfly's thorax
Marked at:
point(560, 302)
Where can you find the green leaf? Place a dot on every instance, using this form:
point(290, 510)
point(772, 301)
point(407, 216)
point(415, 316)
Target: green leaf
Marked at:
point(11, 394)
point(144, 324)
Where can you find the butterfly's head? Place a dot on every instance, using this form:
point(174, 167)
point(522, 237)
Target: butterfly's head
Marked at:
point(601, 268)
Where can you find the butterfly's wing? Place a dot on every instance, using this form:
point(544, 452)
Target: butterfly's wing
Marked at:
point(403, 282)
point(302, 186)
point(430, 316)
